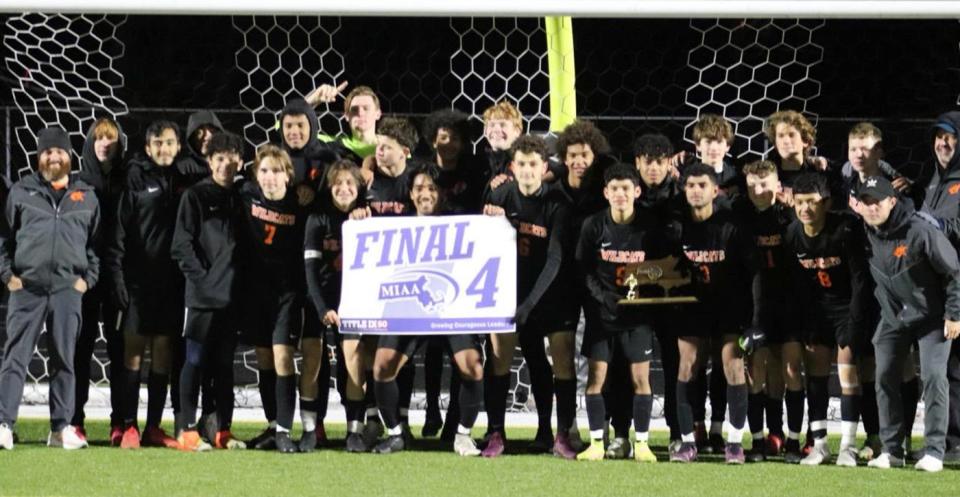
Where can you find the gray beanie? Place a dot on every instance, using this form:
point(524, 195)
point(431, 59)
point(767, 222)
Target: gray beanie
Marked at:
point(53, 137)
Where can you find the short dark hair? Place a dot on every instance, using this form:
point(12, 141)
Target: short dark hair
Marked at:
point(652, 146)
point(760, 168)
point(156, 128)
point(400, 130)
point(621, 171)
point(224, 142)
point(812, 183)
point(530, 144)
point(450, 119)
point(582, 132)
point(424, 168)
point(699, 169)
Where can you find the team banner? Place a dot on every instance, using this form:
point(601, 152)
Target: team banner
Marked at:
point(431, 275)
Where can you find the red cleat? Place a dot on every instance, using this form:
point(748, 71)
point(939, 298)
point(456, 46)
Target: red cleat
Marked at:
point(154, 436)
point(774, 445)
point(131, 438)
point(116, 435)
point(321, 435)
point(81, 432)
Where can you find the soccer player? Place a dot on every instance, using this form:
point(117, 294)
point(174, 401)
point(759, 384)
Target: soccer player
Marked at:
point(722, 259)
point(502, 125)
point(608, 241)
point(462, 175)
point(832, 289)
point(765, 219)
point(393, 351)
point(272, 239)
point(910, 253)
point(322, 253)
point(204, 246)
point(713, 136)
point(793, 137)
point(538, 211)
point(201, 126)
point(102, 168)
point(865, 159)
point(361, 110)
point(47, 262)
point(147, 284)
point(388, 194)
point(310, 156)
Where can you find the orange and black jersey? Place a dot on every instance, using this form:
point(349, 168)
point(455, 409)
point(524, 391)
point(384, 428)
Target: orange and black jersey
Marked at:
point(720, 255)
point(540, 220)
point(272, 238)
point(832, 278)
point(767, 229)
point(323, 256)
point(604, 251)
point(389, 196)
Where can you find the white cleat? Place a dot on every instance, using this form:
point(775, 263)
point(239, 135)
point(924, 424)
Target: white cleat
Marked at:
point(847, 457)
point(465, 446)
point(818, 454)
point(885, 461)
point(929, 464)
point(6, 437)
point(67, 439)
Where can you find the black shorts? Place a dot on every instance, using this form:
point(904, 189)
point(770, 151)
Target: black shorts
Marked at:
point(273, 319)
point(152, 313)
point(408, 344)
point(698, 320)
point(313, 326)
point(635, 345)
point(198, 324)
point(780, 325)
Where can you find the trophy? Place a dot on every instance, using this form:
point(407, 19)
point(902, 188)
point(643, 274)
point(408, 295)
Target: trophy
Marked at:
point(657, 282)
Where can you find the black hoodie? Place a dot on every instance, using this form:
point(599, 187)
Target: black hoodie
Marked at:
point(942, 195)
point(108, 185)
point(311, 161)
point(916, 271)
point(194, 161)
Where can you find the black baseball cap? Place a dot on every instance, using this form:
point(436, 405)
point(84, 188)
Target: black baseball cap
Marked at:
point(877, 188)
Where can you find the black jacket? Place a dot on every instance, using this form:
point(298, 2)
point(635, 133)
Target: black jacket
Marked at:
point(205, 245)
point(138, 252)
point(49, 244)
point(107, 184)
point(942, 194)
point(193, 160)
point(311, 161)
point(916, 272)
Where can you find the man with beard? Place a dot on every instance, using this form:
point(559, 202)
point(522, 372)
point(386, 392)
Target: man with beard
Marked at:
point(47, 261)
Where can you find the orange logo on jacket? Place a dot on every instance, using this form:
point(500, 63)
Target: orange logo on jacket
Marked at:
point(76, 196)
point(954, 188)
point(900, 251)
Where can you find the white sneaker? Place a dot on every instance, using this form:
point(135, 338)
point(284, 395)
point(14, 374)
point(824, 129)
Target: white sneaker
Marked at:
point(619, 448)
point(847, 457)
point(929, 464)
point(819, 453)
point(465, 446)
point(886, 461)
point(6, 437)
point(67, 438)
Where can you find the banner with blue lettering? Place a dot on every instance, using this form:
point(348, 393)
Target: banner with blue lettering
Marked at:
point(430, 275)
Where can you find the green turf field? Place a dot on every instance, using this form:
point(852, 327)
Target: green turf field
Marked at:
point(33, 469)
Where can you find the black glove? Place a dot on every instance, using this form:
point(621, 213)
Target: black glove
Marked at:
point(119, 295)
point(752, 339)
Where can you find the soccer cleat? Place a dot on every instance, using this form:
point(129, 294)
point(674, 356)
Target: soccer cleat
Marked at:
point(542, 443)
point(774, 444)
point(6, 437)
point(807, 445)
point(929, 464)
point(619, 448)
point(131, 438)
point(225, 440)
point(495, 445)
point(791, 452)
point(733, 453)
point(642, 452)
point(757, 452)
point(190, 441)
point(574, 437)
point(81, 431)
point(154, 436)
point(308, 441)
point(871, 448)
point(321, 434)
point(391, 445)
point(674, 446)
point(686, 453)
point(594, 452)
point(885, 461)
point(116, 435)
point(716, 444)
point(465, 446)
point(284, 443)
point(372, 431)
point(562, 447)
point(208, 426)
point(266, 440)
point(847, 457)
point(818, 454)
point(449, 431)
point(67, 438)
point(355, 443)
point(432, 424)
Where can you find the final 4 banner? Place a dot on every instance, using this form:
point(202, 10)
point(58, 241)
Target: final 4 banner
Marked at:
point(430, 275)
